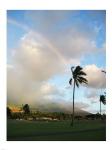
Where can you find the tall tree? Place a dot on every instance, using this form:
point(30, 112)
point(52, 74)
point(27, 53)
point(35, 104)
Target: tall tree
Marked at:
point(77, 78)
point(102, 100)
point(26, 109)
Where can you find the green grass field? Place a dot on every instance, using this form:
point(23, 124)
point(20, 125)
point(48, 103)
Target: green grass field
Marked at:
point(83, 130)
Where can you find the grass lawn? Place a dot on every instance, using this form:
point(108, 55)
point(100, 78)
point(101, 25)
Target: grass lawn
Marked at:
point(83, 130)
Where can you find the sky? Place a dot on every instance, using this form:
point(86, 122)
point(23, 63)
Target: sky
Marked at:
point(42, 45)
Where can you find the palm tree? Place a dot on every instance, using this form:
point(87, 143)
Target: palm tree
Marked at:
point(77, 77)
point(102, 100)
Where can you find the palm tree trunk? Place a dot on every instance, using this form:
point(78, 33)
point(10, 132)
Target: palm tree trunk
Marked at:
point(73, 105)
point(100, 107)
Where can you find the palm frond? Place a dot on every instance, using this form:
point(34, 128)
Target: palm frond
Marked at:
point(70, 81)
point(78, 69)
point(104, 102)
point(77, 84)
point(82, 79)
point(103, 99)
point(82, 73)
point(72, 69)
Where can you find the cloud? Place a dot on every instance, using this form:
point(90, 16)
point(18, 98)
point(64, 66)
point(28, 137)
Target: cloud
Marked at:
point(57, 20)
point(69, 45)
point(92, 95)
point(42, 95)
point(60, 105)
point(48, 48)
point(46, 20)
point(22, 90)
point(33, 64)
point(34, 59)
point(73, 40)
point(74, 44)
point(96, 79)
point(50, 89)
point(69, 41)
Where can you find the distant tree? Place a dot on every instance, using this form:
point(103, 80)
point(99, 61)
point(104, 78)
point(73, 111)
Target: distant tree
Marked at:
point(9, 112)
point(26, 109)
point(77, 77)
point(102, 100)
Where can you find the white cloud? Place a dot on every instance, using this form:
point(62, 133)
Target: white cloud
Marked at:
point(33, 64)
point(96, 78)
point(74, 44)
point(40, 57)
point(72, 40)
point(50, 89)
point(48, 20)
point(35, 60)
point(22, 90)
point(91, 93)
point(42, 95)
point(62, 105)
